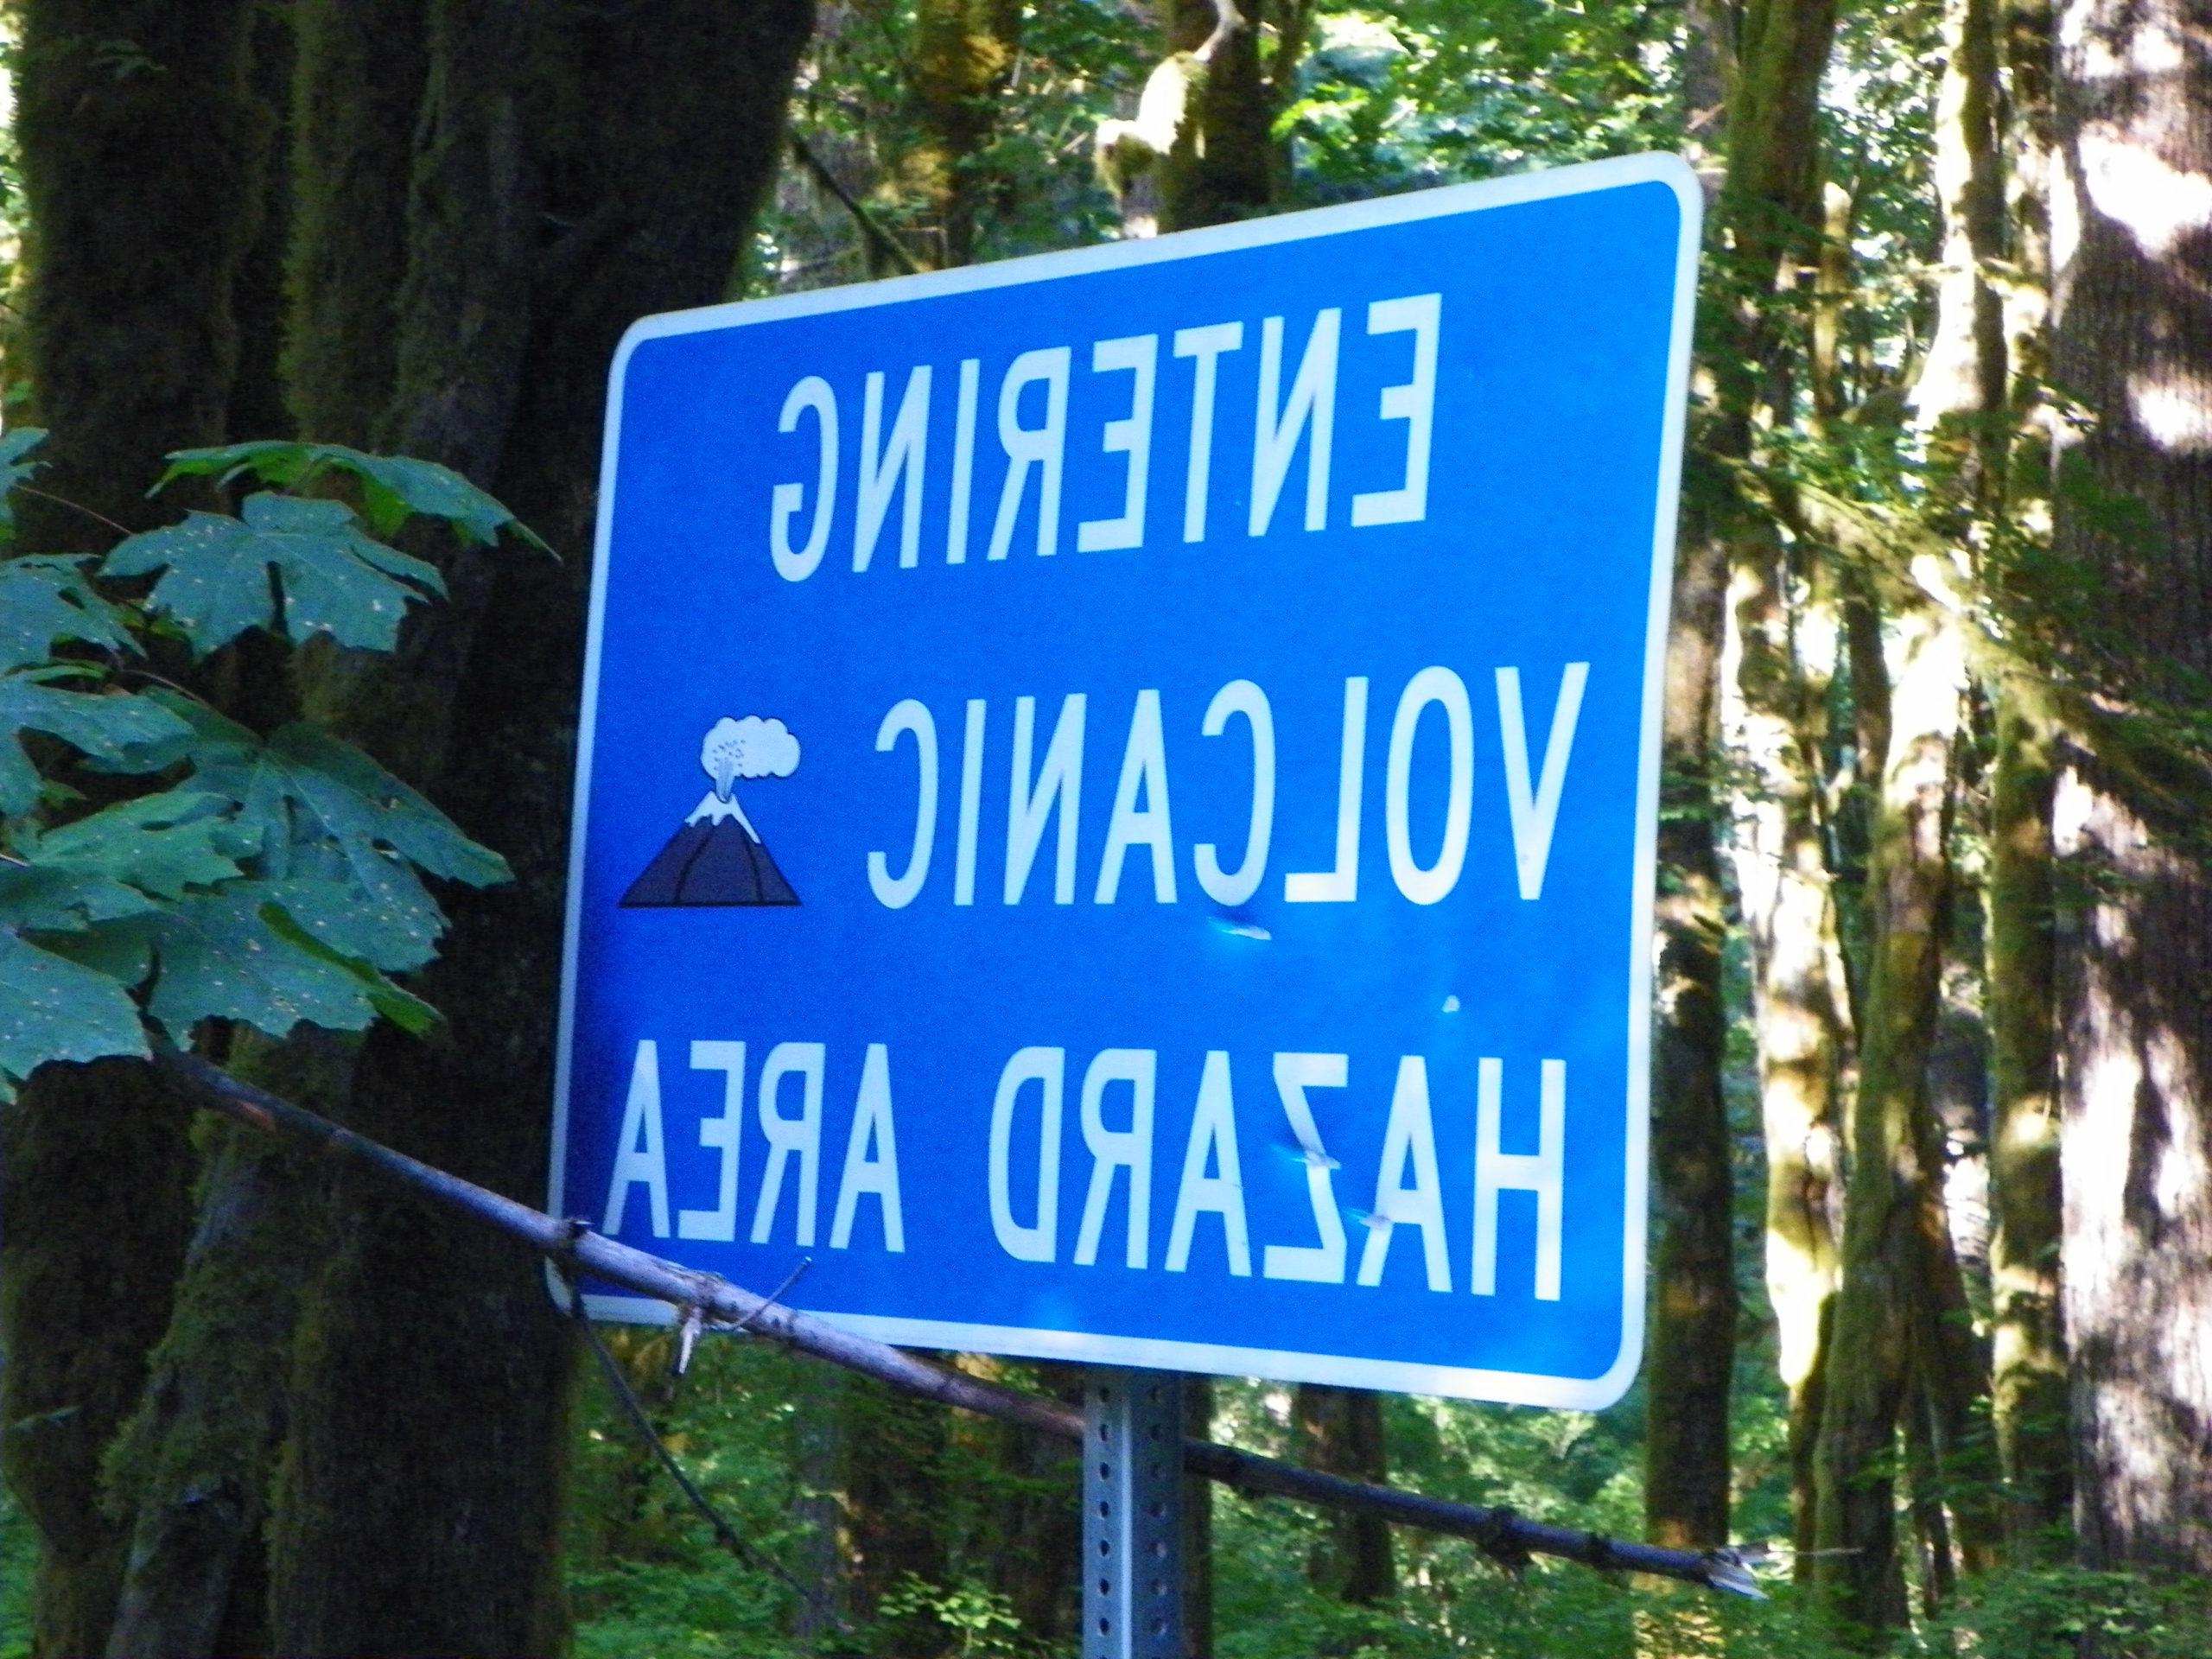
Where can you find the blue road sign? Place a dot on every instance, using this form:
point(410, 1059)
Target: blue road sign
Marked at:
point(1116, 793)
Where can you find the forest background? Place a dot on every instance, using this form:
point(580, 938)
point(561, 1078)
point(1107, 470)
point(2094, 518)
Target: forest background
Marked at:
point(1931, 1326)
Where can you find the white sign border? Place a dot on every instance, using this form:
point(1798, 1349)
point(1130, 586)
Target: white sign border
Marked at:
point(1508, 1388)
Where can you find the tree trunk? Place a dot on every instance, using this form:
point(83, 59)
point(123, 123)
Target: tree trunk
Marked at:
point(1777, 730)
point(1904, 1336)
point(2133, 342)
point(191, 1468)
point(2028, 1357)
point(963, 55)
point(1893, 1212)
point(1222, 167)
point(141, 172)
point(357, 86)
point(141, 178)
point(1690, 1354)
point(1780, 50)
point(93, 1167)
point(423, 1522)
point(1340, 1432)
point(1963, 376)
point(2028, 1388)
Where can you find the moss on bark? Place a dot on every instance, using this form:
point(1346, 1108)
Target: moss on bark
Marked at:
point(1223, 165)
point(964, 54)
point(93, 1166)
point(425, 1520)
point(355, 91)
point(136, 129)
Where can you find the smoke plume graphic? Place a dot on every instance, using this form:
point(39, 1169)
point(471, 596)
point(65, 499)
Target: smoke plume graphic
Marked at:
point(718, 858)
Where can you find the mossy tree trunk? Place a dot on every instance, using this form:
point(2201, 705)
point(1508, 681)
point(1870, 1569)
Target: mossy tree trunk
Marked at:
point(141, 148)
point(93, 1167)
point(142, 156)
point(1958, 402)
point(2028, 1353)
point(1222, 167)
point(2134, 341)
point(1690, 1352)
point(1785, 638)
point(1894, 1219)
point(1691, 1347)
point(2028, 1391)
point(1772, 79)
point(550, 205)
point(963, 56)
point(356, 86)
point(482, 201)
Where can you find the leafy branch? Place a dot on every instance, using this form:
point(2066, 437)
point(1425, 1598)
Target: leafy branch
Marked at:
point(162, 864)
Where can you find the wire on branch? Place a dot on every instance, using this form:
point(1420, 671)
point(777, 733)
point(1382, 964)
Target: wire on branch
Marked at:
point(1507, 1538)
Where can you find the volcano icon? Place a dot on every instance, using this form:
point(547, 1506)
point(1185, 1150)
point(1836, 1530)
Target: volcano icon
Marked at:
point(718, 858)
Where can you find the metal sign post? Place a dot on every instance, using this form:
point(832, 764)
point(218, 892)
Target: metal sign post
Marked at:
point(1132, 1514)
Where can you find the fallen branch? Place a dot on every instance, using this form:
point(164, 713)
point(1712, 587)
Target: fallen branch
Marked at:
point(1508, 1538)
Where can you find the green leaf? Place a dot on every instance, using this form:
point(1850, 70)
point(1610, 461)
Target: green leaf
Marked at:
point(120, 861)
point(355, 802)
point(364, 903)
point(122, 948)
point(14, 469)
point(393, 487)
point(226, 955)
point(239, 954)
point(281, 461)
point(400, 1006)
point(315, 809)
point(43, 599)
point(53, 1008)
point(108, 726)
point(335, 580)
point(200, 734)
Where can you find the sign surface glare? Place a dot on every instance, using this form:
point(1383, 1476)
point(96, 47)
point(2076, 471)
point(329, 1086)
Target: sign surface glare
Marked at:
point(1116, 793)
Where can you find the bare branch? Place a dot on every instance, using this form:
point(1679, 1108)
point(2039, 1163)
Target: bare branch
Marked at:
point(1507, 1537)
point(877, 238)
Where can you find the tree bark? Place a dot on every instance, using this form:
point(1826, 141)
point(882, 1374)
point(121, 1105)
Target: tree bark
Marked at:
point(1690, 1354)
point(357, 85)
point(2133, 342)
point(963, 56)
point(1781, 48)
point(1223, 165)
point(93, 1167)
point(551, 205)
point(141, 155)
point(2028, 1357)
point(139, 144)
point(1776, 721)
point(191, 1468)
point(1893, 1211)
point(1340, 1432)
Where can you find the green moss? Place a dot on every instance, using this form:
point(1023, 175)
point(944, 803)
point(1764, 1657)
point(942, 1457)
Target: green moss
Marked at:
point(136, 122)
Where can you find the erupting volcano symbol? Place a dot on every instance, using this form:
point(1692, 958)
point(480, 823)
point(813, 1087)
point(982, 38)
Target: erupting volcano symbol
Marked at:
point(718, 857)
